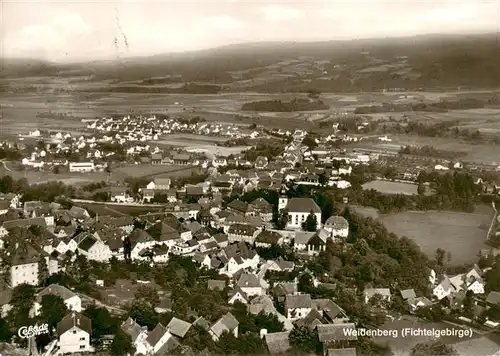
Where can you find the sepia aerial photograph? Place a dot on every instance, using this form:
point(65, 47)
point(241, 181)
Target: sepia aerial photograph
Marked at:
point(250, 178)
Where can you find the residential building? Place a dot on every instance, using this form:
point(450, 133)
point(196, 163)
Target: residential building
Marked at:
point(72, 301)
point(227, 323)
point(250, 284)
point(137, 333)
point(74, 332)
point(297, 306)
point(337, 226)
point(159, 184)
point(383, 293)
point(93, 248)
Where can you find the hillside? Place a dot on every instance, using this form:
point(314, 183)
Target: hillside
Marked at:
point(420, 62)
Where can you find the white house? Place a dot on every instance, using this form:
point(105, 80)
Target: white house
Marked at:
point(337, 226)
point(234, 264)
point(249, 283)
point(383, 293)
point(443, 289)
point(138, 335)
point(94, 249)
point(72, 301)
point(140, 240)
point(159, 184)
point(157, 339)
point(74, 332)
point(120, 195)
point(24, 266)
point(227, 323)
point(297, 306)
point(298, 211)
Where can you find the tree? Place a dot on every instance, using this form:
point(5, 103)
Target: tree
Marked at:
point(5, 333)
point(53, 310)
point(149, 295)
point(440, 255)
point(143, 314)
point(23, 298)
point(309, 141)
point(434, 348)
point(282, 219)
point(468, 304)
point(127, 249)
point(102, 322)
point(43, 271)
point(304, 339)
point(267, 321)
point(311, 223)
point(122, 344)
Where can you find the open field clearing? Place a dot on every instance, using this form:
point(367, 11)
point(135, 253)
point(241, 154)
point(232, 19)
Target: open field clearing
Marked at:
point(209, 150)
point(480, 153)
point(195, 138)
point(117, 174)
point(366, 211)
point(20, 111)
point(37, 177)
point(120, 210)
point(143, 170)
point(461, 234)
point(387, 187)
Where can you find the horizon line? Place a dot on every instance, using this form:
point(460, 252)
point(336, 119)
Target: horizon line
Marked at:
point(236, 44)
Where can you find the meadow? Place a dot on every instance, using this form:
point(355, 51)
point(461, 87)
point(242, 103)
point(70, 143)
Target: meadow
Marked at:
point(461, 234)
point(475, 153)
point(120, 210)
point(117, 174)
point(388, 187)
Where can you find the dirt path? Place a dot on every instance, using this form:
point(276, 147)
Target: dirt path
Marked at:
point(492, 220)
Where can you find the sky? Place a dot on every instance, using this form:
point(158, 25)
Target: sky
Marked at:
point(69, 30)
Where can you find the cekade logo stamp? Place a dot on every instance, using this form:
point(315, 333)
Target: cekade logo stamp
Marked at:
point(32, 330)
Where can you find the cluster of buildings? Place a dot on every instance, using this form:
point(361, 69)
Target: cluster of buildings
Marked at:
point(147, 128)
point(232, 250)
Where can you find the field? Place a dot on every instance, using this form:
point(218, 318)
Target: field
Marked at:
point(387, 187)
point(119, 210)
point(19, 111)
point(462, 234)
point(117, 174)
point(475, 153)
